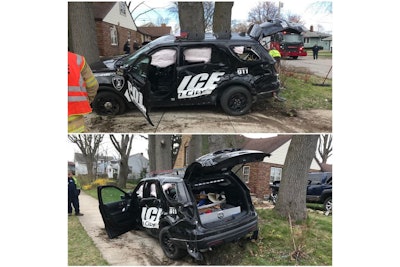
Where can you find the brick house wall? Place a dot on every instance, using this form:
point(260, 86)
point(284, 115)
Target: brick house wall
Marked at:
point(104, 39)
point(260, 173)
point(259, 179)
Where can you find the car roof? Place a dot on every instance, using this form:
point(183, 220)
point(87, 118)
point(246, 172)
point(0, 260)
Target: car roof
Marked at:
point(209, 38)
point(164, 178)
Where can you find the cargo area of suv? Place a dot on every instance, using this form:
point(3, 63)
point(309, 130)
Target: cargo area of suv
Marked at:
point(219, 200)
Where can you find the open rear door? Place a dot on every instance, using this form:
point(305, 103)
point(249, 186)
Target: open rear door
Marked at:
point(119, 210)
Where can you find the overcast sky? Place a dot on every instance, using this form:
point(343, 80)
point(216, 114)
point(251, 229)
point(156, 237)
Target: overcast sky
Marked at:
point(240, 11)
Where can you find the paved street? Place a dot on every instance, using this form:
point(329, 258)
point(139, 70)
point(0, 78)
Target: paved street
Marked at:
point(319, 67)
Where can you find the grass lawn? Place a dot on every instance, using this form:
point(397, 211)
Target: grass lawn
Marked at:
point(308, 243)
point(81, 249)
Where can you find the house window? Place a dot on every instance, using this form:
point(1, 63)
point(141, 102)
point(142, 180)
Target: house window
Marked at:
point(246, 174)
point(306, 40)
point(114, 35)
point(122, 9)
point(276, 174)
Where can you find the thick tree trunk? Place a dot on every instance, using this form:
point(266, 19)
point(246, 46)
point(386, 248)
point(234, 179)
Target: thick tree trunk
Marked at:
point(195, 148)
point(152, 152)
point(191, 19)
point(90, 161)
point(222, 20)
point(160, 152)
point(123, 171)
point(82, 37)
point(292, 191)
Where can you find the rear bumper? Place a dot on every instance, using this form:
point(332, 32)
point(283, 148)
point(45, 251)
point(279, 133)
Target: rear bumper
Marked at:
point(216, 238)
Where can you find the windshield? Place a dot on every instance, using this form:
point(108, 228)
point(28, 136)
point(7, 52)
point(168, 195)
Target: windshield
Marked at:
point(292, 38)
point(129, 60)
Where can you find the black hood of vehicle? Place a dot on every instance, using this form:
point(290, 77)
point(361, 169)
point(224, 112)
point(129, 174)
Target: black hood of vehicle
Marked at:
point(259, 31)
point(223, 160)
point(106, 64)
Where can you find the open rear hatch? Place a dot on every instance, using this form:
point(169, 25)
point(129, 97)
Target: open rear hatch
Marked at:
point(221, 196)
point(259, 31)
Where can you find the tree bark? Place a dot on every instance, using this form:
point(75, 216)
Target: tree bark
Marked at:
point(160, 152)
point(82, 38)
point(191, 19)
point(222, 20)
point(124, 149)
point(293, 186)
point(195, 148)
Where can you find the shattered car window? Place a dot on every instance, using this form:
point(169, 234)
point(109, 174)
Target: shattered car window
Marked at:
point(163, 58)
point(197, 55)
point(245, 53)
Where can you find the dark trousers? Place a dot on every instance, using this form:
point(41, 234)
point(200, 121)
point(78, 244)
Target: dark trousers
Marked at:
point(315, 54)
point(73, 201)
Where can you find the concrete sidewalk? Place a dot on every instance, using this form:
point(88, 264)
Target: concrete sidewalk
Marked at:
point(131, 248)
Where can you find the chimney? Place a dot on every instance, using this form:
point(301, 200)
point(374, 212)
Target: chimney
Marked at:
point(311, 28)
point(163, 25)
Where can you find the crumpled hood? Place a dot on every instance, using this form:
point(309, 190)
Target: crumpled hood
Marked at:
point(106, 64)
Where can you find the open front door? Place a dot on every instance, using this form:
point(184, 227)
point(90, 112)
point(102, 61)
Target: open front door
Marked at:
point(119, 210)
point(138, 84)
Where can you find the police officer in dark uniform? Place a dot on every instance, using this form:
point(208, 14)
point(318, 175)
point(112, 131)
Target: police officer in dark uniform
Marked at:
point(73, 199)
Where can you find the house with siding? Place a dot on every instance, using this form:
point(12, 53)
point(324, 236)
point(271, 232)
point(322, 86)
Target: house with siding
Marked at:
point(258, 175)
point(107, 166)
point(137, 164)
point(312, 38)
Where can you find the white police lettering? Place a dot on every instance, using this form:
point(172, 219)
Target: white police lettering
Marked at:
point(201, 84)
point(151, 217)
point(133, 95)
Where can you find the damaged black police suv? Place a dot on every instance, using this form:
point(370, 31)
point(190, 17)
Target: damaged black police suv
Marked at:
point(207, 206)
point(170, 71)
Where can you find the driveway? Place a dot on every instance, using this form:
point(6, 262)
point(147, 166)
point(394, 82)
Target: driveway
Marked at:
point(131, 248)
point(211, 120)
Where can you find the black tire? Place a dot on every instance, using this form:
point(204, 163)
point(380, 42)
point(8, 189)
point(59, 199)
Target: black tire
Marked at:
point(170, 249)
point(108, 103)
point(236, 101)
point(295, 57)
point(328, 204)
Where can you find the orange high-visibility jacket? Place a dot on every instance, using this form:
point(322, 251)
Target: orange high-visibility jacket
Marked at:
point(78, 103)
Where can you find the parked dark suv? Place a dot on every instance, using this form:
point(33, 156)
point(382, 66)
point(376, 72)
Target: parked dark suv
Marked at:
point(169, 71)
point(319, 189)
point(207, 206)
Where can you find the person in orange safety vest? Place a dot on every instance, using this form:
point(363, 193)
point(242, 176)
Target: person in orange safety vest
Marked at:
point(82, 88)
